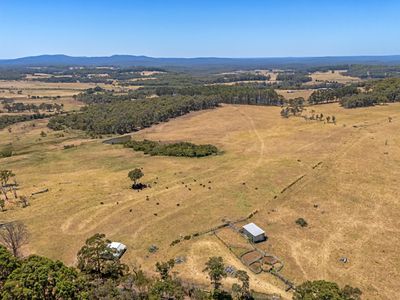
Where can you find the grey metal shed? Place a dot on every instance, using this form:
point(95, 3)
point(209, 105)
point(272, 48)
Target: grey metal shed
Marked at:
point(254, 233)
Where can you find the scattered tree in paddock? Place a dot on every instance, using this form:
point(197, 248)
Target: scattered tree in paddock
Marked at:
point(96, 259)
point(166, 287)
point(24, 200)
point(242, 290)
point(135, 175)
point(163, 268)
point(294, 107)
point(5, 176)
point(216, 271)
point(14, 235)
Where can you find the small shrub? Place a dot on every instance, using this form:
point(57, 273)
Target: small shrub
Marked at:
point(301, 222)
point(6, 152)
point(153, 249)
point(175, 242)
point(69, 146)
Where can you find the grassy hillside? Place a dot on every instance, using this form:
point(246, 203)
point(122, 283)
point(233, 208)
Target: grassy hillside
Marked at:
point(347, 194)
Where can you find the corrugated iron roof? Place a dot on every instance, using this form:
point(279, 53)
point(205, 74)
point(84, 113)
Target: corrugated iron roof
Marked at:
point(253, 229)
point(117, 246)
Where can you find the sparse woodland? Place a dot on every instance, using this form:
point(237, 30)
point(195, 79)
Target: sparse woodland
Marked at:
point(99, 275)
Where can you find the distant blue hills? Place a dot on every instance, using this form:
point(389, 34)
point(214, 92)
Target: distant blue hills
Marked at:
point(200, 62)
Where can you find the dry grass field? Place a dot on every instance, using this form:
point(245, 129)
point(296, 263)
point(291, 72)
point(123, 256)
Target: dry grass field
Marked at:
point(290, 94)
point(332, 76)
point(350, 200)
point(10, 88)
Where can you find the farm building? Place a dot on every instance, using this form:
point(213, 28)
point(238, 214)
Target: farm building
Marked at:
point(118, 249)
point(254, 233)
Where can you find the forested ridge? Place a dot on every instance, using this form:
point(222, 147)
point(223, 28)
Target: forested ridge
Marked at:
point(237, 94)
point(127, 116)
point(376, 92)
point(8, 120)
point(109, 113)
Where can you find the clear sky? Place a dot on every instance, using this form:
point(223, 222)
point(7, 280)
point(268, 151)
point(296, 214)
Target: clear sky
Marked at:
point(192, 28)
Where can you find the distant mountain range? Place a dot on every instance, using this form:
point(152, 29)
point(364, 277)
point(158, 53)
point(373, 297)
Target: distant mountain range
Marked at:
point(200, 62)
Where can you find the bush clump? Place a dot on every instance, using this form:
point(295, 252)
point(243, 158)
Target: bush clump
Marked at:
point(301, 222)
point(175, 149)
point(6, 152)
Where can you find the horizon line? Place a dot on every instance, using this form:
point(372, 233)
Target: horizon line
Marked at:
point(197, 57)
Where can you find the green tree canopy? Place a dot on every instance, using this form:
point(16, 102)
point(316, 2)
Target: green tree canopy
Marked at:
point(41, 278)
point(8, 263)
point(325, 290)
point(135, 175)
point(96, 259)
point(216, 271)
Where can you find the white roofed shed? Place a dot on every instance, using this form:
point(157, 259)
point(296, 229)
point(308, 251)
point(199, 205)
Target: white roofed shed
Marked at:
point(255, 233)
point(118, 249)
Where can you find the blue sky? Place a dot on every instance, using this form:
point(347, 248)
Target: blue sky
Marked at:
point(192, 28)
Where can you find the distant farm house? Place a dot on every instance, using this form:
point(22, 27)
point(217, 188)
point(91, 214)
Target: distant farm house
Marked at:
point(117, 248)
point(254, 233)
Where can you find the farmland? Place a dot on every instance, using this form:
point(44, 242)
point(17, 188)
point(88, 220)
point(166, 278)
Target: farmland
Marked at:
point(347, 193)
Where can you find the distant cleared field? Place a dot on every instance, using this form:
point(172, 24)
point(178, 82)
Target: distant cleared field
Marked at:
point(332, 76)
point(10, 88)
point(289, 94)
point(348, 195)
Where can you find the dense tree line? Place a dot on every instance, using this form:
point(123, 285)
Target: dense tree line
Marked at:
point(127, 116)
point(372, 71)
point(98, 95)
point(13, 73)
point(238, 77)
point(172, 149)
point(376, 92)
point(22, 107)
point(228, 94)
point(295, 77)
point(332, 95)
point(8, 120)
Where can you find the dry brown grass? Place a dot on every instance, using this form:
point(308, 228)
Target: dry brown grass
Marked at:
point(329, 76)
point(356, 190)
point(290, 94)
